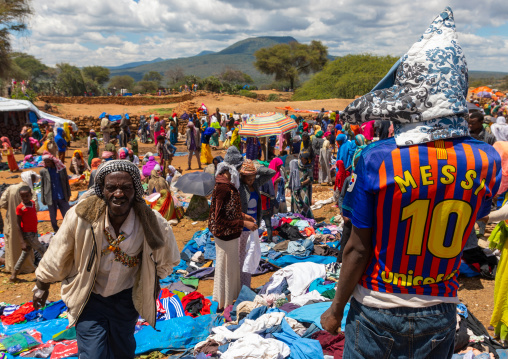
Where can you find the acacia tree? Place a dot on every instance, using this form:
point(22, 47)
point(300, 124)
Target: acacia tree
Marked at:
point(289, 61)
point(98, 74)
point(13, 14)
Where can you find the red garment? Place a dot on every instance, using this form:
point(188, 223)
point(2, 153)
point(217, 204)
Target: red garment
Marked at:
point(19, 315)
point(341, 175)
point(191, 297)
point(28, 217)
point(331, 344)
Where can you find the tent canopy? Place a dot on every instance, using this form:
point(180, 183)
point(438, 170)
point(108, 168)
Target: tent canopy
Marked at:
point(7, 104)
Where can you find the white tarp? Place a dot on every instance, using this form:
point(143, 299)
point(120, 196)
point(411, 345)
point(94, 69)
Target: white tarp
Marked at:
point(7, 104)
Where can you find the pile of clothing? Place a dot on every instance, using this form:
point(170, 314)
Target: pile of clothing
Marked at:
point(30, 162)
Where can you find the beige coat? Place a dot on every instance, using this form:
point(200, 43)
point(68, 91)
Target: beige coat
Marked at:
point(9, 201)
point(74, 254)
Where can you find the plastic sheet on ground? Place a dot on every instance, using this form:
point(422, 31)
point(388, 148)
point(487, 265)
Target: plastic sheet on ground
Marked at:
point(287, 260)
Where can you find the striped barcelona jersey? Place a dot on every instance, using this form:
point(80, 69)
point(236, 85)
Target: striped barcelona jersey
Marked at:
point(422, 202)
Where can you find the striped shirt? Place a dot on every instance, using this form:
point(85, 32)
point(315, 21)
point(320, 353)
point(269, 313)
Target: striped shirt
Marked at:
point(422, 202)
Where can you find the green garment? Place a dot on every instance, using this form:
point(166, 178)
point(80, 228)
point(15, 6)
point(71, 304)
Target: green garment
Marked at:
point(93, 152)
point(191, 281)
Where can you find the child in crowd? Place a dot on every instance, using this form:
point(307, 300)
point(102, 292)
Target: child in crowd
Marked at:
point(134, 144)
point(27, 221)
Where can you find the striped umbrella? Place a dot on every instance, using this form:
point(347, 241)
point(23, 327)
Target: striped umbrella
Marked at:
point(266, 125)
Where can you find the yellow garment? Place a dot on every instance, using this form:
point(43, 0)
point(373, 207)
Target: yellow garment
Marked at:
point(206, 154)
point(78, 152)
point(165, 205)
point(500, 313)
point(67, 132)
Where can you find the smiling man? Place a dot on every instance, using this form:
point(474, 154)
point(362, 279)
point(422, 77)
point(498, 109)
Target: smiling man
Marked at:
point(109, 254)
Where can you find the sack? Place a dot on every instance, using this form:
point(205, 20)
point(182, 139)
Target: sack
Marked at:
point(226, 144)
point(253, 253)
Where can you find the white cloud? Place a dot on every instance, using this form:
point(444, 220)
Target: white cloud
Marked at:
point(114, 32)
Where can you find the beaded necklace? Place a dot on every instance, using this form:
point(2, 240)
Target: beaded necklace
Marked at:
point(120, 256)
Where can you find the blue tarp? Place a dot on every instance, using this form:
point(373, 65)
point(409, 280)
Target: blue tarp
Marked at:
point(48, 328)
point(175, 334)
point(113, 118)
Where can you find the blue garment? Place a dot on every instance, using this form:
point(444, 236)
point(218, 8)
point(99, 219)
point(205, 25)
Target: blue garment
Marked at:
point(281, 191)
point(318, 284)
point(210, 250)
point(54, 310)
point(252, 207)
point(301, 348)
point(246, 295)
point(56, 184)
point(296, 147)
point(60, 141)
point(201, 237)
point(346, 153)
point(300, 247)
point(287, 260)
point(400, 332)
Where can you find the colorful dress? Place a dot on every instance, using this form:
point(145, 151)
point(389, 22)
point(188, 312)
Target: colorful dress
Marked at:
point(93, 152)
point(301, 198)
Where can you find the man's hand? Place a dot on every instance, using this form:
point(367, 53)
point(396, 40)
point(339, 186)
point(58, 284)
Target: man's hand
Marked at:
point(330, 321)
point(40, 302)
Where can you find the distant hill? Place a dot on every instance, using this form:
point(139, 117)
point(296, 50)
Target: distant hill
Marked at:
point(240, 56)
point(479, 75)
point(135, 64)
point(206, 52)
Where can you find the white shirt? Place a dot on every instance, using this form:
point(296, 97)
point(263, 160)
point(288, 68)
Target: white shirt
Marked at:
point(135, 160)
point(114, 277)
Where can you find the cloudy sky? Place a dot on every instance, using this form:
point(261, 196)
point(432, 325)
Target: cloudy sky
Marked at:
point(109, 33)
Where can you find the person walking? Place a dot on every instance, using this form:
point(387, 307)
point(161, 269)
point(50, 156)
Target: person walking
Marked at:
point(55, 188)
point(106, 129)
point(26, 213)
point(61, 143)
point(193, 143)
point(9, 200)
point(413, 201)
point(300, 184)
point(226, 223)
point(109, 256)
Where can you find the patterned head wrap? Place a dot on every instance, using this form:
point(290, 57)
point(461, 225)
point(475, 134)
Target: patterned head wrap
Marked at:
point(424, 93)
point(248, 168)
point(235, 176)
point(58, 164)
point(118, 166)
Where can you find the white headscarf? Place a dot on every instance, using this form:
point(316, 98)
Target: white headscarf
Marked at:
point(27, 178)
point(500, 129)
point(235, 176)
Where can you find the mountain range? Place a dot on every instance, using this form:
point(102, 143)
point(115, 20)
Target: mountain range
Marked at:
point(239, 56)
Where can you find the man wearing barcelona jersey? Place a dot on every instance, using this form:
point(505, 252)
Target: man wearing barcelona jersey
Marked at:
point(413, 201)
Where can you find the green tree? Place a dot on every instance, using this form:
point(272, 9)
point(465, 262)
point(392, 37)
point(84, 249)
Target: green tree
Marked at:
point(29, 64)
point(211, 83)
point(236, 77)
point(153, 76)
point(121, 82)
point(70, 80)
point(13, 15)
point(98, 74)
point(145, 86)
point(289, 61)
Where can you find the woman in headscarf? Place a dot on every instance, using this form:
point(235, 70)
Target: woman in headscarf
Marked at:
point(368, 130)
point(157, 182)
point(156, 128)
point(300, 184)
point(223, 128)
point(123, 152)
point(278, 181)
point(96, 162)
point(9, 153)
point(149, 166)
point(173, 133)
point(36, 131)
point(165, 206)
point(49, 145)
point(325, 157)
point(206, 152)
point(340, 177)
point(78, 163)
point(171, 171)
point(26, 147)
point(93, 148)
point(500, 129)
point(67, 133)
point(317, 144)
point(226, 223)
point(361, 143)
point(235, 138)
point(61, 143)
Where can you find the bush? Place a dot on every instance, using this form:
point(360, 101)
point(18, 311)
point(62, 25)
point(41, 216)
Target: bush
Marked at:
point(248, 93)
point(273, 97)
point(346, 77)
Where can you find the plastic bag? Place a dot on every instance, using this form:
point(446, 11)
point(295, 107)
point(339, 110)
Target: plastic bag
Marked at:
point(253, 253)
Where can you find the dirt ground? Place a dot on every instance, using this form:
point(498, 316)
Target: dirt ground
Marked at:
point(476, 293)
point(225, 103)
